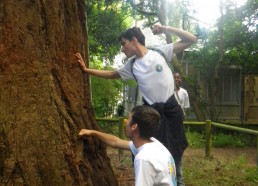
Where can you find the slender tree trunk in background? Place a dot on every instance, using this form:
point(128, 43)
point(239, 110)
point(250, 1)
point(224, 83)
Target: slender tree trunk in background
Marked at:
point(162, 18)
point(192, 96)
point(214, 78)
point(212, 92)
point(45, 99)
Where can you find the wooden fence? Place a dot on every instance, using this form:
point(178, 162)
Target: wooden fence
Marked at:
point(208, 132)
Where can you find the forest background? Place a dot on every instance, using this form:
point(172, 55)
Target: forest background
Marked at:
point(45, 99)
point(228, 40)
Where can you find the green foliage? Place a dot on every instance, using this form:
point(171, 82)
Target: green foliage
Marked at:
point(198, 170)
point(163, 11)
point(233, 42)
point(109, 127)
point(224, 172)
point(106, 20)
point(234, 140)
point(240, 46)
point(220, 138)
point(195, 139)
point(106, 93)
point(251, 175)
point(241, 36)
point(120, 110)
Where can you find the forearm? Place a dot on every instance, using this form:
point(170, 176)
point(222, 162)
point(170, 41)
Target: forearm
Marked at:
point(95, 72)
point(102, 73)
point(108, 139)
point(183, 35)
point(187, 39)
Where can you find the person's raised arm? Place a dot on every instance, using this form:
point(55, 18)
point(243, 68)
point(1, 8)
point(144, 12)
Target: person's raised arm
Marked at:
point(187, 39)
point(99, 73)
point(109, 139)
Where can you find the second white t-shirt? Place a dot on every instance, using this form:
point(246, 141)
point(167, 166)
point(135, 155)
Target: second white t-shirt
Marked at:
point(153, 164)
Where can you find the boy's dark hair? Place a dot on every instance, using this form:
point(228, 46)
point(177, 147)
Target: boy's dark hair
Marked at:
point(147, 119)
point(133, 32)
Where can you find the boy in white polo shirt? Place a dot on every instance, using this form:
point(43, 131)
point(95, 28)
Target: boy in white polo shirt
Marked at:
point(153, 163)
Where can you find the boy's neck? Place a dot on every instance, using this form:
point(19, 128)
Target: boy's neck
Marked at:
point(142, 51)
point(140, 142)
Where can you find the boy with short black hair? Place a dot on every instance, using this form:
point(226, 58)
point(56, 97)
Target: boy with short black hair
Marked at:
point(153, 163)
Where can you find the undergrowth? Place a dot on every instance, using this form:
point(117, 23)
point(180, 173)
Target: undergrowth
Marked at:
point(196, 139)
point(209, 171)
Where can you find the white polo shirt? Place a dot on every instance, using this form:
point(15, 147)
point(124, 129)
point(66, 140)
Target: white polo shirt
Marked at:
point(153, 164)
point(183, 98)
point(154, 77)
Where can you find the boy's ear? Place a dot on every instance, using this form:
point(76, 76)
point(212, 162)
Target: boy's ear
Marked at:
point(134, 39)
point(134, 126)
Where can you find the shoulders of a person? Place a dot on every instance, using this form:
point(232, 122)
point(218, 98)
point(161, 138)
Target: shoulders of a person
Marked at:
point(166, 48)
point(182, 90)
point(152, 58)
point(129, 61)
point(127, 66)
point(152, 150)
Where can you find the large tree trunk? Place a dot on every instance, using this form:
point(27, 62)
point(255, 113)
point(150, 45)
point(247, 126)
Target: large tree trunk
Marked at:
point(45, 99)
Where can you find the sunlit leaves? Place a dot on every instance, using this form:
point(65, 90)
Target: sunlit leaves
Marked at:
point(240, 40)
point(106, 21)
point(106, 94)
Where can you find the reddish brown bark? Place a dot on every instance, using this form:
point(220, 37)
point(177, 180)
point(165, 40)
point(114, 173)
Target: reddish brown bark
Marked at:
point(45, 99)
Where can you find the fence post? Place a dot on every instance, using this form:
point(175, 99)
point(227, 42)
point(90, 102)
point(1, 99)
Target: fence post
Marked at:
point(208, 138)
point(121, 135)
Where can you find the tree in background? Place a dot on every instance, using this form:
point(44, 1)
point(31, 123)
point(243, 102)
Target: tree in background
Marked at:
point(45, 99)
point(233, 42)
point(241, 36)
point(106, 20)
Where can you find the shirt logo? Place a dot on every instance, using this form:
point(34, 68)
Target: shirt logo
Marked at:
point(159, 68)
point(172, 170)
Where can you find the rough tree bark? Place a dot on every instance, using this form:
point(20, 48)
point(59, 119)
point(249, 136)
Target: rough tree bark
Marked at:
point(45, 99)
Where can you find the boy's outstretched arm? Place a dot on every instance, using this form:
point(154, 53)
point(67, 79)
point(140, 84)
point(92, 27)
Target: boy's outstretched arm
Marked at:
point(108, 74)
point(186, 38)
point(108, 139)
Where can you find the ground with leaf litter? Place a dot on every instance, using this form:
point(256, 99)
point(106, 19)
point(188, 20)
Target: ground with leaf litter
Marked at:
point(223, 161)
